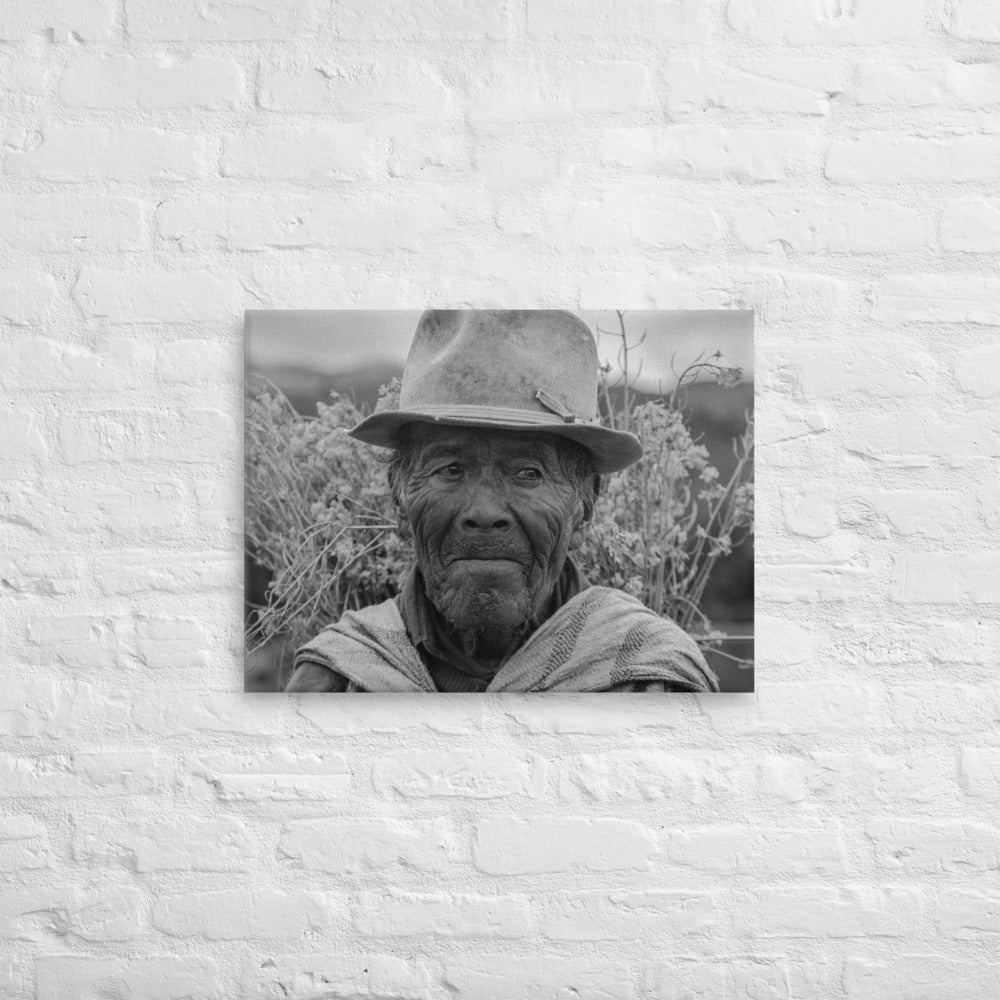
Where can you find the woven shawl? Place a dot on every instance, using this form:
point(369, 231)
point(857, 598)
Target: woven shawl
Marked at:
point(598, 640)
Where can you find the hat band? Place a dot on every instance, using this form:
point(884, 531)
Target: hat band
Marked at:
point(497, 414)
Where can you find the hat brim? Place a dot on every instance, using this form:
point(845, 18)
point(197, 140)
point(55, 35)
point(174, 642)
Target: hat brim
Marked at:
point(612, 451)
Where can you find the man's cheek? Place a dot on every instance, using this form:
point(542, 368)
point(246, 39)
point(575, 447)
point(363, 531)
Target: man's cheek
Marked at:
point(543, 524)
point(429, 516)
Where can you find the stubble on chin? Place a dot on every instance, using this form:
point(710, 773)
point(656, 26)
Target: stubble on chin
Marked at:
point(484, 610)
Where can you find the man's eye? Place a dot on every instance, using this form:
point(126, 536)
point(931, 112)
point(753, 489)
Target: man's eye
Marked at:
point(529, 475)
point(452, 469)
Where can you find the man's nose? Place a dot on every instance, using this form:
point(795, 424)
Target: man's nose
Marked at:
point(486, 510)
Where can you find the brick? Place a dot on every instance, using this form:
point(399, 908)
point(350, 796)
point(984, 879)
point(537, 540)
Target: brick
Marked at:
point(889, 778)
point(593, 717)
point(30, 913)
point(652, 776)
point(917, 438)
point(24, 844)
point(811, 513)
point(314, 155)
point(885, 158)
point(711, 153)
point(774, 296)
point(766, 977)
point(508, 92)
point(151, 83)
point(63, 224)
point(327, 285)
point(52, 706)
point(134, 512)
point(450, 715)
point(825, 912)
point(337, 845)
point(963, 914)
point(351, 87)
point(935, 298)
point(191, 712)
point(500, 977)
point(46, 574)
point(973, 19)
point(893, 368)
point(399, 19)
point(792, 23)
point(974, 84)
point(145, 435)
point(165, 844)
point(948, 578)
point(628, 916)
point(831, 228)
point(627, 215)
point(969, 641)
point(977, 371)
point(82, 775)
point(70, 977)
point(170, 643)
point(759, 850)
point(881, 83)
point(789, 583)
point(920, 513)
point(306, 221)
point(980, 772)
point(674, 21)
point(194, 361)
point(123, 153)
point(231, 21)
point(920, 977)
point(192, 296)
point(39, 363)
point(243, 914)
point(21, 440)
point(139, 572)
point(915, 845)
point(467, 774)
point(777, 85)
point(23, 77)
point(112, 913)
point(87, 20)
point(78, 642)
point(944, 708)
point(25, 296)
point(297, 977)
point(406, 914)
point(510, 846)
point(794, 708)
point(276, 775)
point(947, 84)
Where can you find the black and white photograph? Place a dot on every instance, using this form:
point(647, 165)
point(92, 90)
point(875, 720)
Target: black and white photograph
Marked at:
point(470, 501)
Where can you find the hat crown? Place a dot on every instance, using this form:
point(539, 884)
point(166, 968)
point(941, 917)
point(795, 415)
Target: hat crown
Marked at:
point(510, 359)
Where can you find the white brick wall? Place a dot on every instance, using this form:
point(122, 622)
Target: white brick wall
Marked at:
point(833, 164)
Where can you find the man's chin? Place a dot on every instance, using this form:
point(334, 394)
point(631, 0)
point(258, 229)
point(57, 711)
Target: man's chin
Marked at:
point(484, 595)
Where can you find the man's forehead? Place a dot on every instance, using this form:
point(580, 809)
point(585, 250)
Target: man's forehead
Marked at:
point(429, 440)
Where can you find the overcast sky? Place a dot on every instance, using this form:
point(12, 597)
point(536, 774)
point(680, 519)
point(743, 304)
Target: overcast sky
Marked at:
point(335, 341)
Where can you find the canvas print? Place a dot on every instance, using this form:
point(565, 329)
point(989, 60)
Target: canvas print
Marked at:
point(499, 501)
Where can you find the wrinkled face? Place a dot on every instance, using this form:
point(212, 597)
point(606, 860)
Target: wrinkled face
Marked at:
point(493, 517)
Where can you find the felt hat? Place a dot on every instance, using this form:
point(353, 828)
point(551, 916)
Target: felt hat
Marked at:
point(520, 370)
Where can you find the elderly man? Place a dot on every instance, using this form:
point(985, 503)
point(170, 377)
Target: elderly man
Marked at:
point(496, 465)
